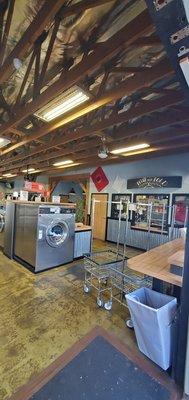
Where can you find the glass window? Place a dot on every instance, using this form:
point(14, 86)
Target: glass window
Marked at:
point(115, 208)
point(181, 203)
point(158, 219)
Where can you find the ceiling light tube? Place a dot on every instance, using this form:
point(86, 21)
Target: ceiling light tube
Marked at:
point(60, 163)
point(130, 148)
point(68, 166)
point(28, 170)
point(63, 103)
point(137, 152)
point(8, 175)
point(65, 106)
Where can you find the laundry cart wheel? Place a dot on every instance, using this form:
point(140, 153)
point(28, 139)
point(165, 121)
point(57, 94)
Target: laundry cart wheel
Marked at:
point(100, 302)
point(108, 305)
point(86, 288)
point(129, 323)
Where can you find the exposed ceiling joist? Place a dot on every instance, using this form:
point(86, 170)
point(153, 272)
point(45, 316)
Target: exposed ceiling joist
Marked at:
point(111, 47)
point(45, 15)
point(160, 121)
point(92, 158)
point(71, 151)
point(138, 111)
point(160, 71)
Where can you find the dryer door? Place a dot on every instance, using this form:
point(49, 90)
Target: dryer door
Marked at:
point(57, 233)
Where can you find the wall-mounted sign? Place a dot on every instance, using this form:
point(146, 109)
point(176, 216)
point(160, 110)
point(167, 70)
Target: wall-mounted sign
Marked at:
point(155, 182)
point(99, 179)
point(34, 187)
point(23, 195)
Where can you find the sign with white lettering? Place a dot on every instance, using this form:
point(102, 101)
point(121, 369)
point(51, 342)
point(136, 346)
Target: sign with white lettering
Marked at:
point(155, 182)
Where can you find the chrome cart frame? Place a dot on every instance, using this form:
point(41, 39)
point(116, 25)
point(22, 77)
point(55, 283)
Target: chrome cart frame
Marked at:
point(97, 266)
point(111, 280)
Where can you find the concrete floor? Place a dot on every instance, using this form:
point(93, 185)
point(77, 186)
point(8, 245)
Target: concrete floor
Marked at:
point(43, 315)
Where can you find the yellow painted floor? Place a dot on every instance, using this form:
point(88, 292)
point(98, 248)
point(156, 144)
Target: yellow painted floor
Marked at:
point(43, 315)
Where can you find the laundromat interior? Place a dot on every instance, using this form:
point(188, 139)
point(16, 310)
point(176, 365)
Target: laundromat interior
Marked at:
point(94, 199)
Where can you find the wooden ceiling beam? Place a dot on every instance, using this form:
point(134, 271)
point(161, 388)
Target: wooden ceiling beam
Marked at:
point(70, 178)
point(6, 30)
point(147, 41)
point(93, 159)
point(49, 50)
point(138, 111)
point(151, 138)
point(161, 121)
point(45, 15)
point(53, 155)
point(128, 87)
point(24, 82)
point(94, 60)
point(82, 6)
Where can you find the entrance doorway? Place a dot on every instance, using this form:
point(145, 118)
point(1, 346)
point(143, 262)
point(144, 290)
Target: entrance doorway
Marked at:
point(99, 215)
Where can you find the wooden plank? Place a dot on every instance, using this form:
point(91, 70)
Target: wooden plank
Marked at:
point(155, 262)
point(87, 155)
point(49, 50)
point(67, 178)
point(6, 30)
point(45, 15)
point(134, 112)
point(94, 60)
point(130, 86)
point(177, 258)
point(23, 84)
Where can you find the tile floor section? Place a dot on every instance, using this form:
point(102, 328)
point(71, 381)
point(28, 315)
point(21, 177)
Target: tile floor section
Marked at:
point(43, 315)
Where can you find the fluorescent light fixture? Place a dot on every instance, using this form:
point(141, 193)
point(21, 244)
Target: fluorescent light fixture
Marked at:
point(62, 163)
point(9, 175)
point(35, 171)
point(68, 166)
point(4, 142)
point(28, 170)
point(130, 148)
point(133, 153)
point(62, 104)
point(29, 126)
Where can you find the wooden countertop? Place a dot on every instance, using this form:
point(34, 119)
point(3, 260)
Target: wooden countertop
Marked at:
point(83, 228)
point(155, 262)
point(42, 203)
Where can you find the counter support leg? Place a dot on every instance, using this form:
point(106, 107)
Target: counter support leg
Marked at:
point(157, 285)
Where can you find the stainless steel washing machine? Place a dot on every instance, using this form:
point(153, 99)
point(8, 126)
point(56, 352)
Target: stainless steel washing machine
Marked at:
point(44, 235)
point(2, 227)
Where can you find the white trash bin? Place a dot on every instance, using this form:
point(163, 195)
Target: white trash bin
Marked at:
point(152, 315)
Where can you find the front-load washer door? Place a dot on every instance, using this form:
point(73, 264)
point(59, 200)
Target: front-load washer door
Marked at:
point(2, 223)
point(57, 233)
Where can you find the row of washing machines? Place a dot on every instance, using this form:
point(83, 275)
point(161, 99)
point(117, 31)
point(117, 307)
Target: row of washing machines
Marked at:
point(39, 236)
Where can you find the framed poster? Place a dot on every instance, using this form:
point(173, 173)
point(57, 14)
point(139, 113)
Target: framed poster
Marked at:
point(158, 217)
point(115, 208)
point(181, 203)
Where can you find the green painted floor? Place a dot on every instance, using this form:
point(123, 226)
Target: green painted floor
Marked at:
point(43, 315)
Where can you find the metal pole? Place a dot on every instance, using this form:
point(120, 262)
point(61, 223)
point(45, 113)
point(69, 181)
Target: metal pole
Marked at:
point(186, 217)
point(149, 217)
point(119, 227)
point(179, 371)
point(126, 230)
point(162, 222)
point(94, 201)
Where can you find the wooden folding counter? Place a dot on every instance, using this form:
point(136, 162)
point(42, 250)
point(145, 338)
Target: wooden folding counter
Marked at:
point(156, 263)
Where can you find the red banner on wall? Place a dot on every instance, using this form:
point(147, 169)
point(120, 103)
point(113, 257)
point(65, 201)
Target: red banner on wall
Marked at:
point(99, 179)
point(34, 187)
